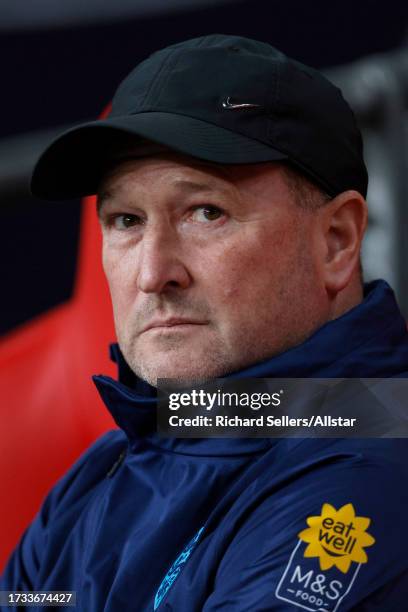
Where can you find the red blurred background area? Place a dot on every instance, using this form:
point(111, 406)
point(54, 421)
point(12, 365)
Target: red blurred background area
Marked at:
point(51, 410)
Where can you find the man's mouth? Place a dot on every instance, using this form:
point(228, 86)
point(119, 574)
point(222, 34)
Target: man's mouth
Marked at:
point(173, 323)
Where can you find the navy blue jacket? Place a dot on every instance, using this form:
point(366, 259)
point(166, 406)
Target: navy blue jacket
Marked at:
point(198, 525)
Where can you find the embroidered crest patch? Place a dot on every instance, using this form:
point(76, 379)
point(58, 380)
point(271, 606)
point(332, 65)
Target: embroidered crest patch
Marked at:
point(175, 569)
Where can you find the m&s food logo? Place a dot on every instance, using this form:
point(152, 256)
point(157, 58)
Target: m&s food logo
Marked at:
point(317, 576)
point(337, 537)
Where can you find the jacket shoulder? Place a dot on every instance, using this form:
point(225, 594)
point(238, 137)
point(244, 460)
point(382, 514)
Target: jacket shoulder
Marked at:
point(328, 512)
point(89, 469)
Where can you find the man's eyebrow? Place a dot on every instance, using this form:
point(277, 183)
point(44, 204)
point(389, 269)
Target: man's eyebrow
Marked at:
point(184, 185)
point(101, 198)
point(190, 186)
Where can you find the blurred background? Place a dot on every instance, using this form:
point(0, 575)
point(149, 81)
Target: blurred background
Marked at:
point(60, 64)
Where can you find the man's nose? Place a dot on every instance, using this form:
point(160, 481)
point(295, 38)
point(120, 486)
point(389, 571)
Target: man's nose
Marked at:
point(161, 264)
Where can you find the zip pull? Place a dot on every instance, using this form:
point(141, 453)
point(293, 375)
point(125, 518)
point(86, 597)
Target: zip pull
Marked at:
point(116, 465)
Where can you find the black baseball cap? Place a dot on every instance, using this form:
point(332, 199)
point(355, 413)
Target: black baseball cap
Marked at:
point(220, 98)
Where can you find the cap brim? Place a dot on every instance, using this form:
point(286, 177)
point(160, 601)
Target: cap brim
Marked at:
point(73, 163)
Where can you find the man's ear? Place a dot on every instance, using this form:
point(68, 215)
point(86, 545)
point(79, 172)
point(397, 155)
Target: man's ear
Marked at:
point(344, 222)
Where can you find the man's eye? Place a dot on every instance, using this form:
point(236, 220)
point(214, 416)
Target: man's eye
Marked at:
point(124, 221)
point(205, 214)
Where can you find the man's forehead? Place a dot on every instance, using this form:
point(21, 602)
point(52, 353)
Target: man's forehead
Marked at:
point(180, 171)
point(144, 157)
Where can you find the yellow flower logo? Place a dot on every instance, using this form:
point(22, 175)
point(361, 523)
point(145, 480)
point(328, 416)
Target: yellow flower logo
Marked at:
point(337, 537)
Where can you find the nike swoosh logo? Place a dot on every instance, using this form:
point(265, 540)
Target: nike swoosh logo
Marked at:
point(231, 106)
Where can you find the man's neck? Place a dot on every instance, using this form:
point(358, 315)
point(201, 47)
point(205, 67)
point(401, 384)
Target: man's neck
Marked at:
point(347, 299)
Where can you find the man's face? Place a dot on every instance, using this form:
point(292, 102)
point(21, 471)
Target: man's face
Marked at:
point(211, 268)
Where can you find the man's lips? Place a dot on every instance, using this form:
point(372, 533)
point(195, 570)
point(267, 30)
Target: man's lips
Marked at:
point(172, 322)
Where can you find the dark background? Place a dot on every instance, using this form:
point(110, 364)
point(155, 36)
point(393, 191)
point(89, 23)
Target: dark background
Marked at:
point(53, 77)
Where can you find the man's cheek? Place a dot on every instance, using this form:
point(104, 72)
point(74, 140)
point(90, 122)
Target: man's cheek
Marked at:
point(232, 294)
point(123, 306)
point(232, 274)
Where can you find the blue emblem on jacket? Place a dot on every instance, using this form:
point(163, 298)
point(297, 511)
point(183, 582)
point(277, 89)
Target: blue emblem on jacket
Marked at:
point(175, 569)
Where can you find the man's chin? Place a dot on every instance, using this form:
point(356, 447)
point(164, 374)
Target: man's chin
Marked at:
point(177, 371)
point(174, 377)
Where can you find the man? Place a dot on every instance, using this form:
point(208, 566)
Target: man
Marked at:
point(231, 194)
